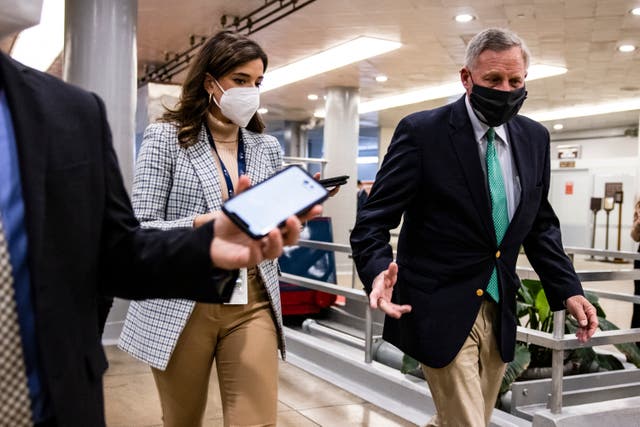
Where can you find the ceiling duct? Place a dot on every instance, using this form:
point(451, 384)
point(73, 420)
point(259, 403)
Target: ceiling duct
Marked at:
point(629, 132)
point(270, 12)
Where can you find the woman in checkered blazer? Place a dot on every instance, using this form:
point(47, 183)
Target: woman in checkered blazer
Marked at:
point(187, 167)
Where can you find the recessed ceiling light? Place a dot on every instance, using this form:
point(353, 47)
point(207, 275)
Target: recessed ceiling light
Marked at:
point(381, 78)
point(320, 114)
point(445, 90)
point(464, 17)
point(635, 11)
point(263, 110)
point(336, 57)
point(558, 126)
point(312, 97)
point(626, 48)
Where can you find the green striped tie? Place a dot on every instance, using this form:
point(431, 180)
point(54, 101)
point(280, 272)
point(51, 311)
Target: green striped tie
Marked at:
point(499, 211)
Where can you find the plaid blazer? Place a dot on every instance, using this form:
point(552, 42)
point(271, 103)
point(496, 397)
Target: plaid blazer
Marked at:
point(173, 185)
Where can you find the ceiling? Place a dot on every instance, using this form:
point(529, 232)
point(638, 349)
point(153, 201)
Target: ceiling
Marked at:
point(582, 35)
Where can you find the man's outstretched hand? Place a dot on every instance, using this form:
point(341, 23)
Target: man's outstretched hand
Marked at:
point(382, 289)
point(231, 248)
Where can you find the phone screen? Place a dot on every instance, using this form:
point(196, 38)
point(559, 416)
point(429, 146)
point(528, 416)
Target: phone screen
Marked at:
point(266, 205)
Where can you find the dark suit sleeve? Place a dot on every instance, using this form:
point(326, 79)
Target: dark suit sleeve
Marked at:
point(393, 189)
point(543, 246)
point(139, 263)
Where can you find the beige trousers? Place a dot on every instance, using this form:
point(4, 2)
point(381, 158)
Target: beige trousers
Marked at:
point(242, 340)
point(465, 391)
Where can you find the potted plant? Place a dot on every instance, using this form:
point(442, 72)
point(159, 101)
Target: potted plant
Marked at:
point(532, 361)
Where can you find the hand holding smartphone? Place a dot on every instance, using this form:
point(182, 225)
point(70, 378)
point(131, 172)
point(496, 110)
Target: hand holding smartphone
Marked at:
point(334, 181)
point(265, 206)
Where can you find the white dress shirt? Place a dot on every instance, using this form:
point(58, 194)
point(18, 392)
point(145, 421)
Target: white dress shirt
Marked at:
point(505, 157)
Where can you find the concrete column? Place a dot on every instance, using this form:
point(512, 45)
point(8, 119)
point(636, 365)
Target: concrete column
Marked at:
point(637, 195)
point(386, 133)
point(341, 131)
point(100, 56)
point(295, 139)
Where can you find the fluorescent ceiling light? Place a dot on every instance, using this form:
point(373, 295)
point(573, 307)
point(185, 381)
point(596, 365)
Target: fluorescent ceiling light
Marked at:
point(263, 110)
point(446, 90)
point(583, 110)
point(381, 78)
point(39, 46)
point(367, 160)
point(336, 57)
point(465, 17)
point(625, 48)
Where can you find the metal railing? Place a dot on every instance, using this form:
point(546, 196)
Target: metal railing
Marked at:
point(306, 161)
point(557, 341)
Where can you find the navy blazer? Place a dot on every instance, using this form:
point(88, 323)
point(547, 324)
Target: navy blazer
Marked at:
point(83, 237)
point(447, 247)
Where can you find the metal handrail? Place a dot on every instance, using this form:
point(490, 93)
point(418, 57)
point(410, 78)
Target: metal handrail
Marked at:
point(292, 159)
point(557, 341)
point(601, 252)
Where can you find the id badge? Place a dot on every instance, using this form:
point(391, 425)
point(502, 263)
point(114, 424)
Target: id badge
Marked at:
point(240, 293)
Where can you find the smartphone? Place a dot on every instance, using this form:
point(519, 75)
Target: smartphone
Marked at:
point(334, 181)
point(266, 205)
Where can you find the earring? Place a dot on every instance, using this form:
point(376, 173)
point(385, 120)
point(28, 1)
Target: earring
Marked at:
point(210, 98)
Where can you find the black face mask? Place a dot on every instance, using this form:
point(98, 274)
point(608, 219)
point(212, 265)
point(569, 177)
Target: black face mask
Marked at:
point(496, 107)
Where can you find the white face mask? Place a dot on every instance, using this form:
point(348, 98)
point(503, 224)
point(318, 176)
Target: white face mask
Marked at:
point(238, 104)
point(16, 15)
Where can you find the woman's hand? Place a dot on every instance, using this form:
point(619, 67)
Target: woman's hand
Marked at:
point(204, 218)
point(333, 191)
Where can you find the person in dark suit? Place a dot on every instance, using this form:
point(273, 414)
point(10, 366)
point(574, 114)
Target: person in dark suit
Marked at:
point(635, 235)
point(471, 181)
point(361, 196)
point(71, 234)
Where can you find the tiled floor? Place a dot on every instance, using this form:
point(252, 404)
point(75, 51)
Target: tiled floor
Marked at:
point(131, 399)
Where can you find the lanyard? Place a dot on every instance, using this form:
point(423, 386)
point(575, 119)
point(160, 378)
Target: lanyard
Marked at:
point(241, 160)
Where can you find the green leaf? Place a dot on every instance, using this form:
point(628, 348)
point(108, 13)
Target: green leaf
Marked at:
point(409, 364)
point(608, 362)
point(521, 309)
point(593, 299)
point(530, 289)
point(629, 349)
point(542, 305)
point(582, 359)
point(516, 367)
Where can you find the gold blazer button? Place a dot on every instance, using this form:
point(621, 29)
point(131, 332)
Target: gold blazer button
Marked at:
point(479, 292)
point(497, 254)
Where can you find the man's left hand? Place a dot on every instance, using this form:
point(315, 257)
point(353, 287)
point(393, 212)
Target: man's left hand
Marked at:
point(585, 314)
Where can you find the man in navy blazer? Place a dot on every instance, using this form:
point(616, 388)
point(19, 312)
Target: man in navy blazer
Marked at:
point(439, 308)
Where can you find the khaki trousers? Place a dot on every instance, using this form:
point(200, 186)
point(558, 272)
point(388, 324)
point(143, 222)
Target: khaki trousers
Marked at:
point(242, 340)
point(465, 391)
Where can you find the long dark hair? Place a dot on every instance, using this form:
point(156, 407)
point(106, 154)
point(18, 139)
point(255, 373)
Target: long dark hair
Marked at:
point(220, 54)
